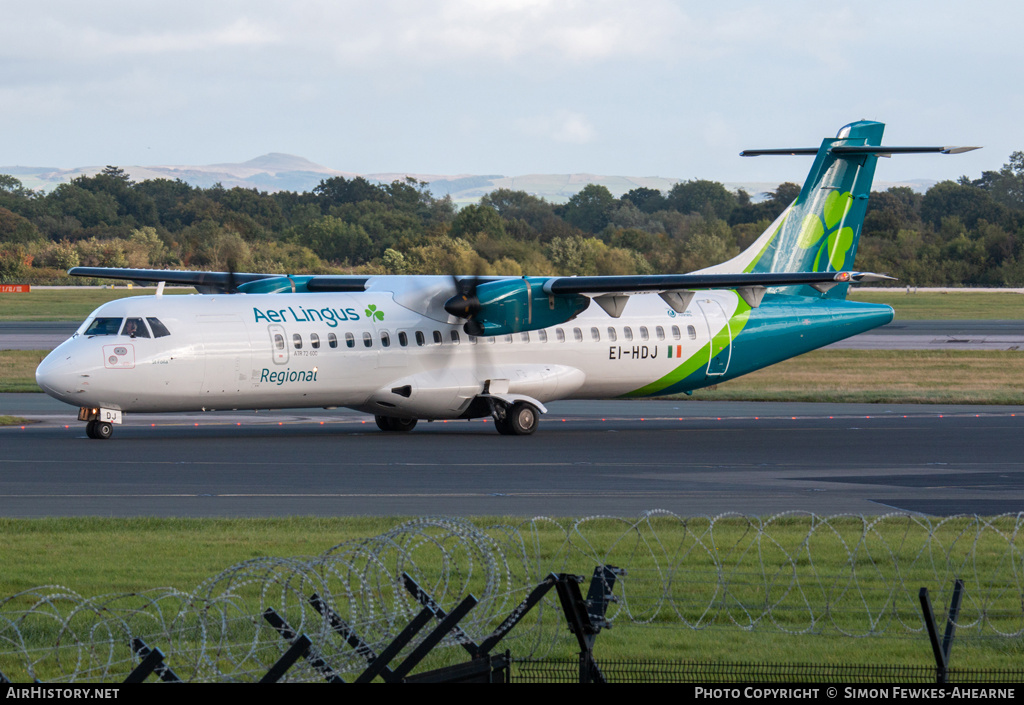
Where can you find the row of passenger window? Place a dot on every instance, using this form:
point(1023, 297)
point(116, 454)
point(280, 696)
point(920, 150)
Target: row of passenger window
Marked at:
point(437, 338)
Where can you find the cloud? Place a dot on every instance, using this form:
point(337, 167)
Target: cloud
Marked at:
point(562, 126)
point(240, 33)
point(502, 31)
point(95, 31)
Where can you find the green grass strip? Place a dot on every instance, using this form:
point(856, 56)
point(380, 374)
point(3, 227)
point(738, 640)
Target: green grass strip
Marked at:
point(946, 306)
point(67, 304)
point(837, 566)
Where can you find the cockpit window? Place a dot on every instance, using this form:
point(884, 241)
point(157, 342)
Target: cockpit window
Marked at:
point(135, 328)
point(159, 329)
point(104, 326)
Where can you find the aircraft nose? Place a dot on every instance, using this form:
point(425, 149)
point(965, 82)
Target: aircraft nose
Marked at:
point(55, 375)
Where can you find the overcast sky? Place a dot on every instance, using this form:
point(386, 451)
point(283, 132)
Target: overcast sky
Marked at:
point(644, 88)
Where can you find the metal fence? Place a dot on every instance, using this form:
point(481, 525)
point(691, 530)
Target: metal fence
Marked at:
point(708, 672)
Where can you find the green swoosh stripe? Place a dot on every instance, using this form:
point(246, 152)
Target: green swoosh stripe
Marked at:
point(700, 358)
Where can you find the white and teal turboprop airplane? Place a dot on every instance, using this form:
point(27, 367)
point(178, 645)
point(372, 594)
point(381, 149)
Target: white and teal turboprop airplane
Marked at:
point(405, 348)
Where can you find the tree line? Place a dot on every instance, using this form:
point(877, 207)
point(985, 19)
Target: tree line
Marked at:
point(964, 233)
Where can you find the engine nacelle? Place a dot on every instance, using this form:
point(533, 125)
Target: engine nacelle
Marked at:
point(276, 285)
point(507, 306)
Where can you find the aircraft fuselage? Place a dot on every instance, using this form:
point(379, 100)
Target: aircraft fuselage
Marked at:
point(368, 352)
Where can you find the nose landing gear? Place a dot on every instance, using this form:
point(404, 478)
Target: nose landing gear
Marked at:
point(100, 430)
point(99, 422)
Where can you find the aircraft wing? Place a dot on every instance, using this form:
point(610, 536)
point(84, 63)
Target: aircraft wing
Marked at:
point(637, 284)
point(205, 279)
point(611, 293)
point(227, 282)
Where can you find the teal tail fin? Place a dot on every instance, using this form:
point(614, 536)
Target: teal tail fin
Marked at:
point(819, 232)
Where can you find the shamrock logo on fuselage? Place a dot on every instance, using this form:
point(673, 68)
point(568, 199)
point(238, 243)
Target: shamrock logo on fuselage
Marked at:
point(824, 233)
point(373, 314)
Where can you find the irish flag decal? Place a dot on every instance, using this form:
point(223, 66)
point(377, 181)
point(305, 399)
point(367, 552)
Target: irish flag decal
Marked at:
point(675, 351)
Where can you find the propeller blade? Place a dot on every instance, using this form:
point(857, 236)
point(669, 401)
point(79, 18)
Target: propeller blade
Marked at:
point(465, 303)
point(232, 285)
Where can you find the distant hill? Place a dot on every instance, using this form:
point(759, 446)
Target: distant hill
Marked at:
point(287, 172)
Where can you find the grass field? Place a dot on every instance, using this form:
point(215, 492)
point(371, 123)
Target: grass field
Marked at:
point(18, 370)
point(874, 598)
point(884, 376)
point(931, 305)
point(67, 304)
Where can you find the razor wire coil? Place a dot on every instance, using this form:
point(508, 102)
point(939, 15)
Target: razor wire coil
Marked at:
point(793, 572)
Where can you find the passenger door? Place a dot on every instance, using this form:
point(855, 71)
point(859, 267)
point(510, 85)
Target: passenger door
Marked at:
point(227, 354)
point(719, 332)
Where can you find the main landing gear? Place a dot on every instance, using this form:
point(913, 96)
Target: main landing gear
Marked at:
point(514, 415)
point(390, 423)
point(519, 419)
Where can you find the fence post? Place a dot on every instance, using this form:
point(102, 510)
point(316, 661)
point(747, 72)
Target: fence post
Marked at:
point(954, 615)
point(941, 650)
point(313, 657)
point(152, 662)
point(298, 649)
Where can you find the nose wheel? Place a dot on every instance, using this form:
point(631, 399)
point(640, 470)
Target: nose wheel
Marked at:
point(100, 430)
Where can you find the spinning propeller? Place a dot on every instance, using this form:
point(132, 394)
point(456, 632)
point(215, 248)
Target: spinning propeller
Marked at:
point(466, 304)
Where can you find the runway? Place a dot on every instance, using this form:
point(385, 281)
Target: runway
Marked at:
point(615, 457)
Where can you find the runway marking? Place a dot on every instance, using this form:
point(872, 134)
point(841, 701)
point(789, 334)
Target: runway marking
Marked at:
point(691, 467)
point(355, 495)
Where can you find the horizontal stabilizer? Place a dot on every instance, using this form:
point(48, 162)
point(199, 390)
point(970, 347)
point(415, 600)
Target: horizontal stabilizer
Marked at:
point(853, 150)
point(795, 152)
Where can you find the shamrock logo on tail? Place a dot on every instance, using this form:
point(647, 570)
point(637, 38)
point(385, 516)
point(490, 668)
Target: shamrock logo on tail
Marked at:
point(832, 242)
point(373, 314)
